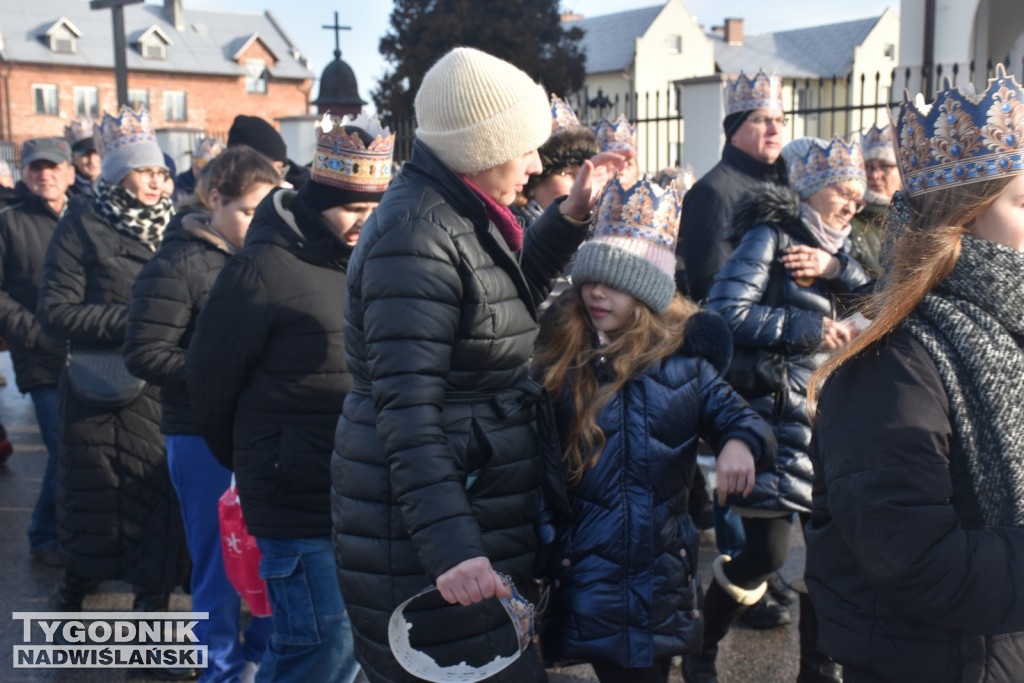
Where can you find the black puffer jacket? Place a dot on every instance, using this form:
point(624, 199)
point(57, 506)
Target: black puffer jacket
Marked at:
point(267, 372)
point(117, 513)
point(624, 566)
point(435, 454)
point(166, 300)
point(905, 576)
point(790, 327)
point(705, 226)
point(26, 226)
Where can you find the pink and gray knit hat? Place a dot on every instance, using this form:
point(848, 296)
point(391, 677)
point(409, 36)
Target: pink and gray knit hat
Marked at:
point(633, 243)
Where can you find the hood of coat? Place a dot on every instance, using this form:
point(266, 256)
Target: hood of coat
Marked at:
point(304, 234)
point(769, 204)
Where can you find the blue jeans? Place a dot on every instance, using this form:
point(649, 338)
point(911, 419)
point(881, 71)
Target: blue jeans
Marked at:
point(729, 534)
point(42, 531)
point(312, 638)
point(199, 481)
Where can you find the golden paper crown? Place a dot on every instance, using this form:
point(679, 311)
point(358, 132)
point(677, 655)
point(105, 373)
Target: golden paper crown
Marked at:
point(967, 138)
point(562, 116)
point(79, 129)
point(877, 143)
point(127, 128)
point(616, 136)
point(760, 92)
point(343, 160)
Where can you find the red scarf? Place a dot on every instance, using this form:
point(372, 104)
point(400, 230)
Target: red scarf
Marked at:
point(502, 217)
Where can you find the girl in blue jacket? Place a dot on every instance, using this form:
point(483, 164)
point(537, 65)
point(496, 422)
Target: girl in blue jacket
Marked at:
point(634, 372)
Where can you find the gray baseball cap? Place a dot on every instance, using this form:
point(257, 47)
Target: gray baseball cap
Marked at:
point(49, 149)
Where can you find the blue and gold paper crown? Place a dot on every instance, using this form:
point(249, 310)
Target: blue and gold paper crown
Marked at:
point(644, 211)
point(614, 137)
point(962, 138)
point(127, 128)
point(760, 92)
point(877, 143)
point(815, 163)
point(343, 160)
point(562, 116)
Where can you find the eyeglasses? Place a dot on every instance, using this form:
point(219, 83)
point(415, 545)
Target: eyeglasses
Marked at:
point(848, 197)
point(147, 175)
point(779, 121)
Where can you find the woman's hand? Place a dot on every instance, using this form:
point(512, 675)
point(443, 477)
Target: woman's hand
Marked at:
point(734, 470)
point(593, 175)
point(836, 334)
point(806, 261)
point(471, 581)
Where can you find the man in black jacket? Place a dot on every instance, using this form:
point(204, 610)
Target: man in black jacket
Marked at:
point(753, 141)
point(267, 375)
point(26, 225)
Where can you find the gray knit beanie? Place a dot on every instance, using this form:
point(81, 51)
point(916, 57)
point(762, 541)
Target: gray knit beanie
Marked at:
point(632, 246)
point(475, 111)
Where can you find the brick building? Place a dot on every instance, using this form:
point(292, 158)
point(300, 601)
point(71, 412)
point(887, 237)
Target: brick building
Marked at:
point(194, 69)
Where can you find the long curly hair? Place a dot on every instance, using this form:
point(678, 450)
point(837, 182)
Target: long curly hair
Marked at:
point(567, 354)
point(923, 256)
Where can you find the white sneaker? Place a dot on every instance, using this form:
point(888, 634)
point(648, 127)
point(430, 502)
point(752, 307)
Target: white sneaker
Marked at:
point(248, 674)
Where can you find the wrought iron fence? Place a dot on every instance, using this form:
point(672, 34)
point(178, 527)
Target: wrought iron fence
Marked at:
point(816, 106)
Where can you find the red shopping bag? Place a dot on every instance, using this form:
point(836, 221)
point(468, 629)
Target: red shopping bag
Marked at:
point(241, 554)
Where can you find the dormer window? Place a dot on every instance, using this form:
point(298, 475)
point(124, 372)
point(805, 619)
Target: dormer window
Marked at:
point(256, 76)
point(153, 43)
point(62, 37)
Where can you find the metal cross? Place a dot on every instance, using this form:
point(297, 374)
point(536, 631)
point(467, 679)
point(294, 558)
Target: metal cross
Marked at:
point(116, 8)
point(337, 32)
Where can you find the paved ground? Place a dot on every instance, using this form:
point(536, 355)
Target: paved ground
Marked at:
point(747, 656)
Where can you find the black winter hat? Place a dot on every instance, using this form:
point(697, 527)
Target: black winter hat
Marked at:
point(258, 134)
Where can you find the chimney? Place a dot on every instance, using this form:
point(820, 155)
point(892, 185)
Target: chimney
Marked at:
point(175, 14)
point(569, 16)
point(734, 31)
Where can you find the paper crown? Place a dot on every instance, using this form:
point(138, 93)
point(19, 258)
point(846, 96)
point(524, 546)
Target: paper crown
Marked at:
point(343, 160)
point(813, 163)
point(207, 148)
point(615, 136)
point(965, 139)
point(877, 143)
point(562, 116)
point(760, 92)
point(80, 129)
point(645, 212)
point(127, 128)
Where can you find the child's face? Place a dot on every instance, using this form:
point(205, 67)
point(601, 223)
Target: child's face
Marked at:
point(609, 309)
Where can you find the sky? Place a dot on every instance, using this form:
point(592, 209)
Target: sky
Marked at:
point(302, 21)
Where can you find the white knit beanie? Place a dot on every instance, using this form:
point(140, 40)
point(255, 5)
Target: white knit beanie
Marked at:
point(475, 111)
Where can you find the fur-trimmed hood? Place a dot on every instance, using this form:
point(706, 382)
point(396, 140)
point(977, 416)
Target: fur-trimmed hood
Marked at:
point(768, 204)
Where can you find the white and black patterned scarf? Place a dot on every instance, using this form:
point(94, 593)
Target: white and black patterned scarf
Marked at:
point(127, 214)
point(971, 324)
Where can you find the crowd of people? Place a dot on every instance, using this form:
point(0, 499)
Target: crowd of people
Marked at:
point(464, 401)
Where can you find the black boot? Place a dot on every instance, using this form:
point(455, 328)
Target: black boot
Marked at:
point(70, 593)
point(723, 604)
point(781, 591)
point(815, 665)
point(767, 613)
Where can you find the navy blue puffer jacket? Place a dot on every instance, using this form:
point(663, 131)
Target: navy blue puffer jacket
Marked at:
point(790, 326)
point(625, 561)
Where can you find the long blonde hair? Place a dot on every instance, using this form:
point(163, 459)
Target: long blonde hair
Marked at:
point(923, 257)
point(566, 354)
